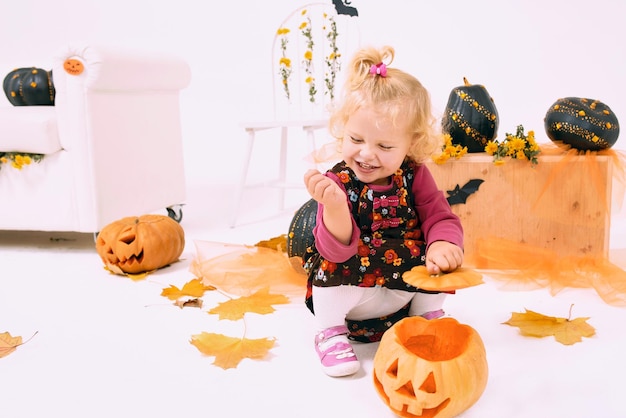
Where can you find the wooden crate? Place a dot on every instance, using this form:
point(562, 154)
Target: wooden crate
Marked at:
point(558, 204)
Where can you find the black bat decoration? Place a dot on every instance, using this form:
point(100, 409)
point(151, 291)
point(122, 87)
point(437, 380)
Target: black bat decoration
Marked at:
point(460, 194)
point(343, 8)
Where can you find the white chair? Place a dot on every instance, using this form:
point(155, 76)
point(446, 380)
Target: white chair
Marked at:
point(112, 142)
point(308, 51)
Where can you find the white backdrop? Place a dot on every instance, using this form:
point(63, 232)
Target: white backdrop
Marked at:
point(527, 53)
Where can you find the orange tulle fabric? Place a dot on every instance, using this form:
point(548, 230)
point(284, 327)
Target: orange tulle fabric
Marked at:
point(242, 270)
point(597, 182)
point(524, 267)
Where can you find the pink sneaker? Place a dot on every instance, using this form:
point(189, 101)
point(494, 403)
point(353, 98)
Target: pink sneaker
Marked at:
point(433, 314)
point(338, 358)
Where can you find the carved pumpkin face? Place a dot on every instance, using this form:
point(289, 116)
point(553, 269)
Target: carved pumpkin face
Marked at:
point(584, 124)
point(139, 244)
point(73, 66)
point(470, 117)
point(430, 368)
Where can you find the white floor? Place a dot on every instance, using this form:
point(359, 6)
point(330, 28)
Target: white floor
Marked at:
point(106, 346)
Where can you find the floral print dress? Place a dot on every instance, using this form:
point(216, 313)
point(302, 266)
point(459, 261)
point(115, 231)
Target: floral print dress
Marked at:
point(391, 241)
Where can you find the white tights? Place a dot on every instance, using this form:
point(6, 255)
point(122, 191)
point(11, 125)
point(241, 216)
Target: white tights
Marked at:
point(333, 305)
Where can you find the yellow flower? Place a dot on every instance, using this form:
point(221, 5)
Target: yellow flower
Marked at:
point(499, 162)
point(282, 31)
point(308, 55)
point(520, 155)
point(441, 159)
point(302, 25)
point(491, 148)
point(285, 61)
point(331, 56)
point(3, 160)
point(516, 144)
point(365, 261)
point(309, 80)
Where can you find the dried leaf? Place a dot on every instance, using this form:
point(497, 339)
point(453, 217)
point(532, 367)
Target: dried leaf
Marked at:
point(113, 269)
point(189, 303)
point(229, 351)
point(8, 344)
point(194, 288)
point(278, 243)
point(260, 302)
point(460, 278)
point(566, 331)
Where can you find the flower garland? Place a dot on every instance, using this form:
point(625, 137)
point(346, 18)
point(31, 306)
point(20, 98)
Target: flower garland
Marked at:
point(332, 60)
point(284, 63)
point(306, 29)
point(19, 160)
point(518, 146)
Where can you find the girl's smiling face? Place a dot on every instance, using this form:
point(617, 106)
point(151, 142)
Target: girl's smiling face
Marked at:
point(373, 146)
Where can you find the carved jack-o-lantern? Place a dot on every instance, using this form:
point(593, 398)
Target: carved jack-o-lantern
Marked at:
point(139, 244)
point(430, 368)
point(72, 66)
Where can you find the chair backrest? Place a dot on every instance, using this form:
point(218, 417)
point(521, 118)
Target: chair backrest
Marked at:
point(309, 50)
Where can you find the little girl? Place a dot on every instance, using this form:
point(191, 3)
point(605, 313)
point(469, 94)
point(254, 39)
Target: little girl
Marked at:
point(379, 210)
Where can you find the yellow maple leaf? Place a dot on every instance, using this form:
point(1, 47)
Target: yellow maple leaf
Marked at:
point(566, 331)
point(260, 302)
point(8, 344)
point(229, 351)
point(194, 288)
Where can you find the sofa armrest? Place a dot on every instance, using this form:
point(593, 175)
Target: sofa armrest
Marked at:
point(106, 68)
point(119, 123)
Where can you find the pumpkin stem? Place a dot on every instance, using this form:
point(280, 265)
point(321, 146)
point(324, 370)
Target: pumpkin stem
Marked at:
point(467, 83)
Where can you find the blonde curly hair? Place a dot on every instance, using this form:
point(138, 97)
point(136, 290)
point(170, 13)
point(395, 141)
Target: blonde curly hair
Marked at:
point(398, 93)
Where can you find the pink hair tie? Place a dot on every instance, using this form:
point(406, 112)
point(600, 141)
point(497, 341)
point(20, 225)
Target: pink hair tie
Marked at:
point(379, 69)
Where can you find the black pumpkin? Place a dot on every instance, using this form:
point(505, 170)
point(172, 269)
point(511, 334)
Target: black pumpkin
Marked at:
point(584, 124)
point(29, 87)
point(300, 235)
point(470, 117)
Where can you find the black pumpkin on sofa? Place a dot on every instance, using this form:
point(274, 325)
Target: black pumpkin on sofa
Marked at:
point(584, 124)
point(470, 117)
point(29, 87)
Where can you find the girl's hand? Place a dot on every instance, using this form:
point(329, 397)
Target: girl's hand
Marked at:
point(443, 256)
point(324, 190)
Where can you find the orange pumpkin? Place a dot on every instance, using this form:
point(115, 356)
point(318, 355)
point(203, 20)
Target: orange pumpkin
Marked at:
point(430, 368)
point(139, 244)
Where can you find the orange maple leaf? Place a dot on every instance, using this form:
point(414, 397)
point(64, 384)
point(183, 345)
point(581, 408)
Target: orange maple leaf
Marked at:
point(194, 288)
point(566, 331)
point(229, 351)
point(460, 278)
point(8, 344)
point(260, 302)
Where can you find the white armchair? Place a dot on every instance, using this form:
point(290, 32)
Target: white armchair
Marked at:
point(112, 143)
